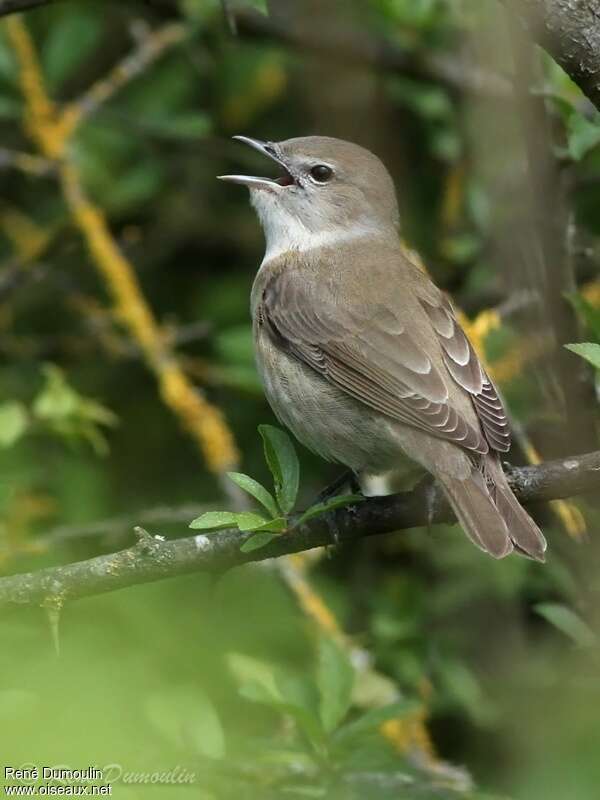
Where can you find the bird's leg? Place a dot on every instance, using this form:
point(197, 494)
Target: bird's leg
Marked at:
point(431, 499)
point(347, 478)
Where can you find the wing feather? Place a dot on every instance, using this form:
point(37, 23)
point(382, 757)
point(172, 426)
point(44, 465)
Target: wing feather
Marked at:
point(369, 354)
point(463, 364)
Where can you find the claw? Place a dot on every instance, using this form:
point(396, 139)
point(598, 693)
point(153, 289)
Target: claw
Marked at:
point(347, 478)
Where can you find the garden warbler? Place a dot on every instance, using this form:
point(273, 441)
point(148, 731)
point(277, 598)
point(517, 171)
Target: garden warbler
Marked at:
point(361, 356)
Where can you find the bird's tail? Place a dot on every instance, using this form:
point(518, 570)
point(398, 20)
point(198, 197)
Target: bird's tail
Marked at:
point(490, 514)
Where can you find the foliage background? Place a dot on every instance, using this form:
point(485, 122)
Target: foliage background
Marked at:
point(495, 665)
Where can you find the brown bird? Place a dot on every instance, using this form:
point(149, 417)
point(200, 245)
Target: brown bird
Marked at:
point(361, 355)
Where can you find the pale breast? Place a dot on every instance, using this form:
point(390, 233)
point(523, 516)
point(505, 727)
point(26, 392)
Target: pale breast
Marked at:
point(323, 418)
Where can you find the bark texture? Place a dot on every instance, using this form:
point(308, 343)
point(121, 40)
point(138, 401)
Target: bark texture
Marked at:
point(153, 558)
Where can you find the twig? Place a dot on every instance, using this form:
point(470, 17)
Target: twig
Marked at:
point(221, 551)
point(25, 162)
point(118, 526)
point(15, 6)
point(51, 130)
point(568, 29)
point(381, 53)
point(149, 49)
point(229, 16)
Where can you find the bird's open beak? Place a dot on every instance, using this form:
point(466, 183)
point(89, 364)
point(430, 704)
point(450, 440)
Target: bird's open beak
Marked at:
point(254, 182)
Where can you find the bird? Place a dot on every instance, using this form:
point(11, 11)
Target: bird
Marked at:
point(360, 354)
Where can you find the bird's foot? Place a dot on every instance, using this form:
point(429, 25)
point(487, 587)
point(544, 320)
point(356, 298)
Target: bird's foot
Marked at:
point(347, 478)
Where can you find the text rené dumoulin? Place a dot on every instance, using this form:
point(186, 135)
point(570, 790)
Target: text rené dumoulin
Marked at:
point(110, 773)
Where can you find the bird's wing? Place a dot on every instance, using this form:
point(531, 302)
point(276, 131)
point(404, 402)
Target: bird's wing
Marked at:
point(366, 351)
point(465, 368)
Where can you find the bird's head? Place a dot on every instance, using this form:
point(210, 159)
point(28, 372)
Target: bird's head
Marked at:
point(325, 187)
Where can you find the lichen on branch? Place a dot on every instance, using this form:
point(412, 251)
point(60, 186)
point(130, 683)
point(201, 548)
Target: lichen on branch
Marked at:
point(51, 130)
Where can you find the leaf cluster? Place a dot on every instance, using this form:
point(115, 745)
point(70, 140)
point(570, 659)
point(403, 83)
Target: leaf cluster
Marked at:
point(284, 466)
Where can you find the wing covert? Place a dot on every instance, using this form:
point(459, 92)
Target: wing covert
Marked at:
point(369, 354)
point(463, 364)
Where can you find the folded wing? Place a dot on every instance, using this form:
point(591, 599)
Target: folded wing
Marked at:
point(368, 353)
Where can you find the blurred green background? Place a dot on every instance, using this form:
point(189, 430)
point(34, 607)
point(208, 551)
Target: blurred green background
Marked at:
point(493, 666)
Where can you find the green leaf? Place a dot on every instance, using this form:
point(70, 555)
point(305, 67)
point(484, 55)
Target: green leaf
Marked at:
point(13, 422)
point(587, 350)
point(375, 717)
point(248, 521)
point(568, 622)
point(301, 703)
point(283, 463)
point(307, 721)
point(57, 400)
point(67, 413)
point(335, 679)
point(244, 520)
point(257, 491)
point(279, 525)
point(260, 5)
point(583, 136)
point(257, 693)
point(259, 682)
point(187, 719)
point(589, 315)
point(329, 505)
point(257, 541)
point(249, 671)
point(214, 520)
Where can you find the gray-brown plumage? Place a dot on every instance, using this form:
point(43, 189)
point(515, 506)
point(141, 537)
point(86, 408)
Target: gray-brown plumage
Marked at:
point(361, 356)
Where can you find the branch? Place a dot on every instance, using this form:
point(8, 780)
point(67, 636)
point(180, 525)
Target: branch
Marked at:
point(149, 49)
point(153, 559)
point(51, 130)
point(380, 52)
point(570, 31)
point(14, 6)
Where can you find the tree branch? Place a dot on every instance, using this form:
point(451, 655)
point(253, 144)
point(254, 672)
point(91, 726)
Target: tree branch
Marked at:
point(570, 31)
point(380, 52)
point(153, 559)
point(14, 6)
point(51, 129)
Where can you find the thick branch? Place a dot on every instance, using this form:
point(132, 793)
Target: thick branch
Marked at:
point(570, 31)
point(153, 559)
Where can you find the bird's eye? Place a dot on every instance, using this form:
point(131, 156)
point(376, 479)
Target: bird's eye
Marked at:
point(321, 173)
